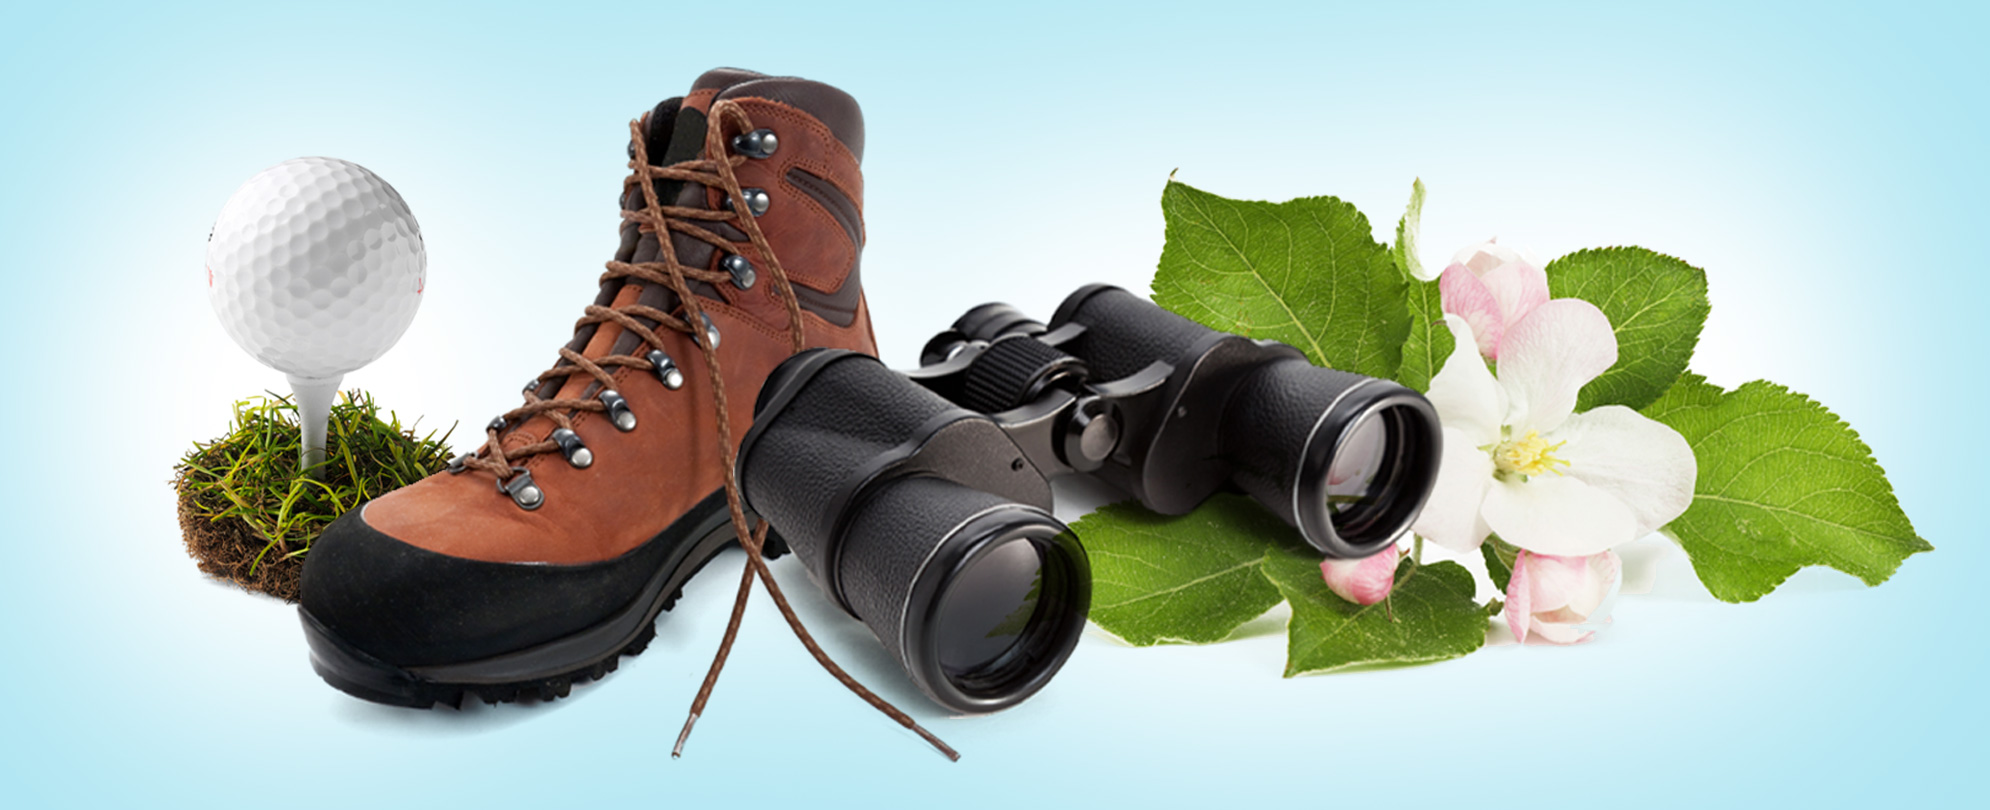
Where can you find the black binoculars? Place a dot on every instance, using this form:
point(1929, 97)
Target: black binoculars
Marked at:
point(919, 501)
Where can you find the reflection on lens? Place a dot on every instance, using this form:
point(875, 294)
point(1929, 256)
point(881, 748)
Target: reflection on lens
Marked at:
point(989, 606)
point(1357, 462)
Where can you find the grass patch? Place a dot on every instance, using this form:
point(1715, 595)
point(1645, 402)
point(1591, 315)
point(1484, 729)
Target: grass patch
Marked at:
point(249, 514)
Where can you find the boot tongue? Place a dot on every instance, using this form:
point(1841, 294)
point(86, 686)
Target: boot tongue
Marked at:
point(680, 136)
point(672, 133)
point(683, 139)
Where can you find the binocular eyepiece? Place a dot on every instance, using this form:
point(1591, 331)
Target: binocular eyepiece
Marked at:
point(920, 501)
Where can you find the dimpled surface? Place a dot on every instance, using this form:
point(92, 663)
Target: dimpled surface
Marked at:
point(315, 267)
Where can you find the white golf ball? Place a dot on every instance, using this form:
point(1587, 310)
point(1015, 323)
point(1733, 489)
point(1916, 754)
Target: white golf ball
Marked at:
point(315, 267)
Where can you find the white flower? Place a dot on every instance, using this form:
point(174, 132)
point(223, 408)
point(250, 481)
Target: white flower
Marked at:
point(1518, 460)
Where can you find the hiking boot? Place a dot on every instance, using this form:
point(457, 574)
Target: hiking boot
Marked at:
point(539, 560)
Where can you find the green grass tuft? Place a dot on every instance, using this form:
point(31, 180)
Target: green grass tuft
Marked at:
point(249, 513)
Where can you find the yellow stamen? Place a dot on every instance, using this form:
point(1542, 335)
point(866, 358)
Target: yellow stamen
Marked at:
point(1529, 455)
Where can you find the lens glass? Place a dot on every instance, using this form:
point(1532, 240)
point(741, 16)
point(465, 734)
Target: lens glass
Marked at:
point(1358, 461)
point(988, 606)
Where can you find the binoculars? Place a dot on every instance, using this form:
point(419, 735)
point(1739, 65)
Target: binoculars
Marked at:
point(920, 501)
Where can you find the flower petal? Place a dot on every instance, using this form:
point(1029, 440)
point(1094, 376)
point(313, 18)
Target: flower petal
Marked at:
point(1463, 294)
point(1482, 258)
point(1464, 392)
point(1519, 288)
point(1647, 465)
point(1365, 581)
point(1548, 356)
point(1451, 517)
point(1552, 514)
point(1519, 598)
point(1555, 581)
point(1600, 575)
point(1558, 633)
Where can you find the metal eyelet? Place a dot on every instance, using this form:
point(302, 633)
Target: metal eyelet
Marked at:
point(757, 200)
point(573, 448)
point(618, 410)
point(741, 270)
point(666, 370)
point(532, 386)
point(758, 144)
point(460, 463)
point(497, 423)
point(711, 330)
point(523, 492)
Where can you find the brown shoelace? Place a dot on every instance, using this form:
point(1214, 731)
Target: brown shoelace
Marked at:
point(662, 220)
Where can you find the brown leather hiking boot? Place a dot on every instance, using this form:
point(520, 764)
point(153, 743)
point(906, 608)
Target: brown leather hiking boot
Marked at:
point(541, 559)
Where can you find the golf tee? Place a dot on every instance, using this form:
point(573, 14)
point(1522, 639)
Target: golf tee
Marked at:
point(314, 409)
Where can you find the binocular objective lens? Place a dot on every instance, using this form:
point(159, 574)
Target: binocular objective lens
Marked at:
point(1357, 463)
point(985, 613)
point(1381, 470)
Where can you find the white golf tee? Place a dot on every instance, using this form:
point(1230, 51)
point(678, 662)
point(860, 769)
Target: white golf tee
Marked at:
point(314, 409)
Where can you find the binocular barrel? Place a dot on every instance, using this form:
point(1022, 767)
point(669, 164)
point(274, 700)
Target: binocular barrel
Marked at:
point(921, 519)
point(1347, 459)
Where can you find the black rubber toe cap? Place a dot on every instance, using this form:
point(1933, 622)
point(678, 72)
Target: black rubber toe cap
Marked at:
point(410, 607)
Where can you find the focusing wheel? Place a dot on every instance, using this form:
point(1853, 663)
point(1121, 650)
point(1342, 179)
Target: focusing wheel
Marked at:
point(1013, 371)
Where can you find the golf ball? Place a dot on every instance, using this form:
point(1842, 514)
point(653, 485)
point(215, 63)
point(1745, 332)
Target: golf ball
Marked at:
point(315, 267)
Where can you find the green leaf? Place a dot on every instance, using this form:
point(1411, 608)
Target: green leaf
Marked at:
point(1405, 249)
point(1656, 305)
point(1783, 483)
point(1500, 558)
point(1192, 578)
point(1430, 616)
point(1429, 342)
point(1306, 272)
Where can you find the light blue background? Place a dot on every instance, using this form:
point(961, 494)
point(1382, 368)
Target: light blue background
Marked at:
point(1824, 163)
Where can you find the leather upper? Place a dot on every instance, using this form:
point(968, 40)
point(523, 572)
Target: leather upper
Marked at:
point(641, 481)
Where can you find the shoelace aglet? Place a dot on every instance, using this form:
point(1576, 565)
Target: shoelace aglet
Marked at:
point(952, 755)
point(677, 752)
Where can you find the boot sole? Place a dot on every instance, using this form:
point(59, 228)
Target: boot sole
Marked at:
point(545, 671)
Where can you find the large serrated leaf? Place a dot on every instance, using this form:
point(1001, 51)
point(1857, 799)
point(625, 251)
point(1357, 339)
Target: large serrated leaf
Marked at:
point(1192, 578)
point(1656, 305)
point(1783, 484)
point(1307, 272)
point(1431, 616)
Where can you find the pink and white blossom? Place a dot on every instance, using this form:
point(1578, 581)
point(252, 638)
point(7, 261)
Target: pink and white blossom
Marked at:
point(1559, 599)
point(1492, 287)
point(1519, 461)
point(1365, 581)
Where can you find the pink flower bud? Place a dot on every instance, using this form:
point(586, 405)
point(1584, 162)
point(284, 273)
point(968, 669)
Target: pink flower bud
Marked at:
point(1364, 581)
point(1492, 288)
point(1562, 600)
